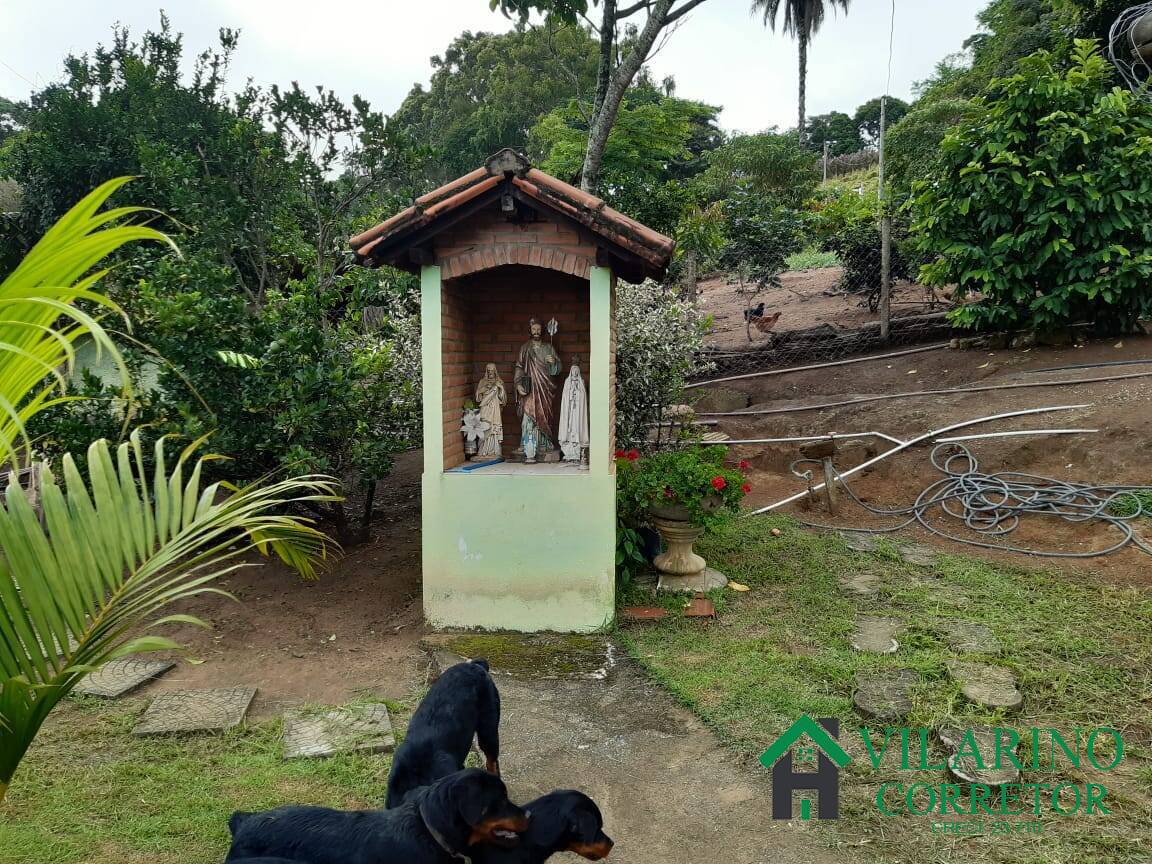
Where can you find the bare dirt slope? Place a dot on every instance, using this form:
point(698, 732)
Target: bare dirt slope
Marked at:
point(806, 298)
point(1118, 454)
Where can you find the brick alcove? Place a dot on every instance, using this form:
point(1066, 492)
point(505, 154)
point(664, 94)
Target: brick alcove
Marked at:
point(485, 319)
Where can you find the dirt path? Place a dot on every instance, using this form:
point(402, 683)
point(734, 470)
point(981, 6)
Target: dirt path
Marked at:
point(667, 788)
point(350, 633)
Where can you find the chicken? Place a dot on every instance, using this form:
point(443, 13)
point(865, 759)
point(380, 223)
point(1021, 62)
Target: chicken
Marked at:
point(764, 324)
point(757, 312)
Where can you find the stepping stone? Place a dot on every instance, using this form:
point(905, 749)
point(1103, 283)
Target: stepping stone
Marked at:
point(885, 695)
point(357, 728)
point(859, 542)
point(990, 686)
point(875, 635)
point(117, 677)
point(963, 766)
point(949, 595)
point(208, 710)
point(923, 556)
point(861, 584)
point(968, 637)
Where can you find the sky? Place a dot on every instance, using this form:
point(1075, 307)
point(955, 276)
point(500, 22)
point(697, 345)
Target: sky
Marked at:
point(719, 54)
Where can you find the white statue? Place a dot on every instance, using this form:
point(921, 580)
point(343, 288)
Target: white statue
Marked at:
point(573, 416)
point(491, 396)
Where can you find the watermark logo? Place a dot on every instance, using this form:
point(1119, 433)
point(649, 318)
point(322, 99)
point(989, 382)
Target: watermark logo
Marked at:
point(824, 749)
point(1001, 772)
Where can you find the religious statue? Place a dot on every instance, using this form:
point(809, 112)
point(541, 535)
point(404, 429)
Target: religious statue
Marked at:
point(573, 415)
point(536, 366)
point(491, 397)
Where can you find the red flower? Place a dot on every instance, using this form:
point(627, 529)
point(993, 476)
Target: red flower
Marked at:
point(619, 454)
point(718, 482)
point(667, 492)
point(746, 488)
point(632, 455)
point(744, 465)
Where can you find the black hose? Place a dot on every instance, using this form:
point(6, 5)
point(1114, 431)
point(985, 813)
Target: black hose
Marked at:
point(993, 504)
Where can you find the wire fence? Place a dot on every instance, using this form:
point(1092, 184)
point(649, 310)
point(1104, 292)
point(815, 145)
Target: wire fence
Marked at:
point(829, 305)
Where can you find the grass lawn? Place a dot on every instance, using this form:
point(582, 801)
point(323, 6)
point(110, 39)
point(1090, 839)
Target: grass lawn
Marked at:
point(90, 792)
point(1082, 654)
point(812, 258)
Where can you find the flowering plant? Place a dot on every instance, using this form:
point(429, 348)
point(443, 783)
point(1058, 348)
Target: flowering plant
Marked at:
point(692, 480)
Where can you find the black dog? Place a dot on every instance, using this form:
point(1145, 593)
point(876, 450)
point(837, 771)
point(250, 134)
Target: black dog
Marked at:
point(562, 821)
point(463, 703)
point(444, 822)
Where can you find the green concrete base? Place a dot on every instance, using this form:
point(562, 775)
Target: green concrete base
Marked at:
point(519, 552)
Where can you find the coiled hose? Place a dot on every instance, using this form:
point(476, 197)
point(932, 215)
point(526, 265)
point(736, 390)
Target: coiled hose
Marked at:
point(992, 505)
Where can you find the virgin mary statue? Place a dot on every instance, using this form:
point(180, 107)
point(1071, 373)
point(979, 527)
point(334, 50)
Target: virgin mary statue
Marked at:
point(573, 416)
point(491, 397)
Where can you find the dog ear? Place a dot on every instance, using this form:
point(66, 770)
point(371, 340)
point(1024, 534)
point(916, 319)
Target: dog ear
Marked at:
point(470, 801)
point(583, 825)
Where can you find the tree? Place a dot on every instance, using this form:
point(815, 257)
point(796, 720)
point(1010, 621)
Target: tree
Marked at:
point(657, 142)
point(9, 119)
point(619, 60)
point(836, 129)
point(264, 187)
point(912, 146)
point(867, 117)
point(489, 90)
point(802, 19)
point(767, 165)
point(1035, 205)
point(112, 550)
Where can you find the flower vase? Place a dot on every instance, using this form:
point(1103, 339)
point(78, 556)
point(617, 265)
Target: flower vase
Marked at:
point(681, 568)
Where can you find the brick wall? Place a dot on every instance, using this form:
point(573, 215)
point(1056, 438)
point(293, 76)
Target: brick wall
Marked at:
point(488, 240)
point(496, 306)
point(457, 367)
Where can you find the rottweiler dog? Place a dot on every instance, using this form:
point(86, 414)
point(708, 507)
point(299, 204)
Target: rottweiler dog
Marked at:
point(446, 821)
point(462, 704)
point(562, 821)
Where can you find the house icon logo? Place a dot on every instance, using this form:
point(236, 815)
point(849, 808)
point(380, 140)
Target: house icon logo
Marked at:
point(822, 748)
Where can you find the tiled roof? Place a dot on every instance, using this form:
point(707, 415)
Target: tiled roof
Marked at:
point(648, 252)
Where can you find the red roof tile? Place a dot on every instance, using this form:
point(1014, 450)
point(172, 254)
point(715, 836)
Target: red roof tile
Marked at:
point(630, 239)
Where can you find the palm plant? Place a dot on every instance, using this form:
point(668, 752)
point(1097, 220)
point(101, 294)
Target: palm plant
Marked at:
point(109, 551)
point(802, 19)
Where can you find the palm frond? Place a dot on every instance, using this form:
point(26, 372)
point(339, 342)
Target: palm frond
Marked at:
point(40, 323)
point(111, 551)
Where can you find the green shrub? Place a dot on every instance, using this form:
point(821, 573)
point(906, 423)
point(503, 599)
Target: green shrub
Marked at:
point(658, 338)
point(812, 258)
point(760, 235)
point(1041, 203)
point(693, 478)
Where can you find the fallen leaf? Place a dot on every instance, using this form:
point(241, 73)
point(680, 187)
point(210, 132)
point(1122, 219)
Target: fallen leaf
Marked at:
point(193, 661)
point(736, 586)
point(911, 371)
point(1119, 344)
point(985, 366)
point(776, 532)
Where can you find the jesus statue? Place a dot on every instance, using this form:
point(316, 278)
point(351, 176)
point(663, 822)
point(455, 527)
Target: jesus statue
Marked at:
point(536, 366)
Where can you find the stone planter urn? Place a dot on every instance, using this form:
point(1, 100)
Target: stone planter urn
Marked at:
point(681, 569)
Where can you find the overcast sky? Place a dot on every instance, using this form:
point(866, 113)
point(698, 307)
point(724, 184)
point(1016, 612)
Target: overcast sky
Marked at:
point(379, 49)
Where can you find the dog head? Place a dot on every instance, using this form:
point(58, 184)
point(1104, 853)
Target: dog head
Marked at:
point(470, 807)
point(569, 821)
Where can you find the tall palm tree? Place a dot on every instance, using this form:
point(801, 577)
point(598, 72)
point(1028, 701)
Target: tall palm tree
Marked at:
point(106, 552)
point(802, 19)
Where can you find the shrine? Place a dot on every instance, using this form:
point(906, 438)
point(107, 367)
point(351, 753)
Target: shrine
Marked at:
point(517, 288)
